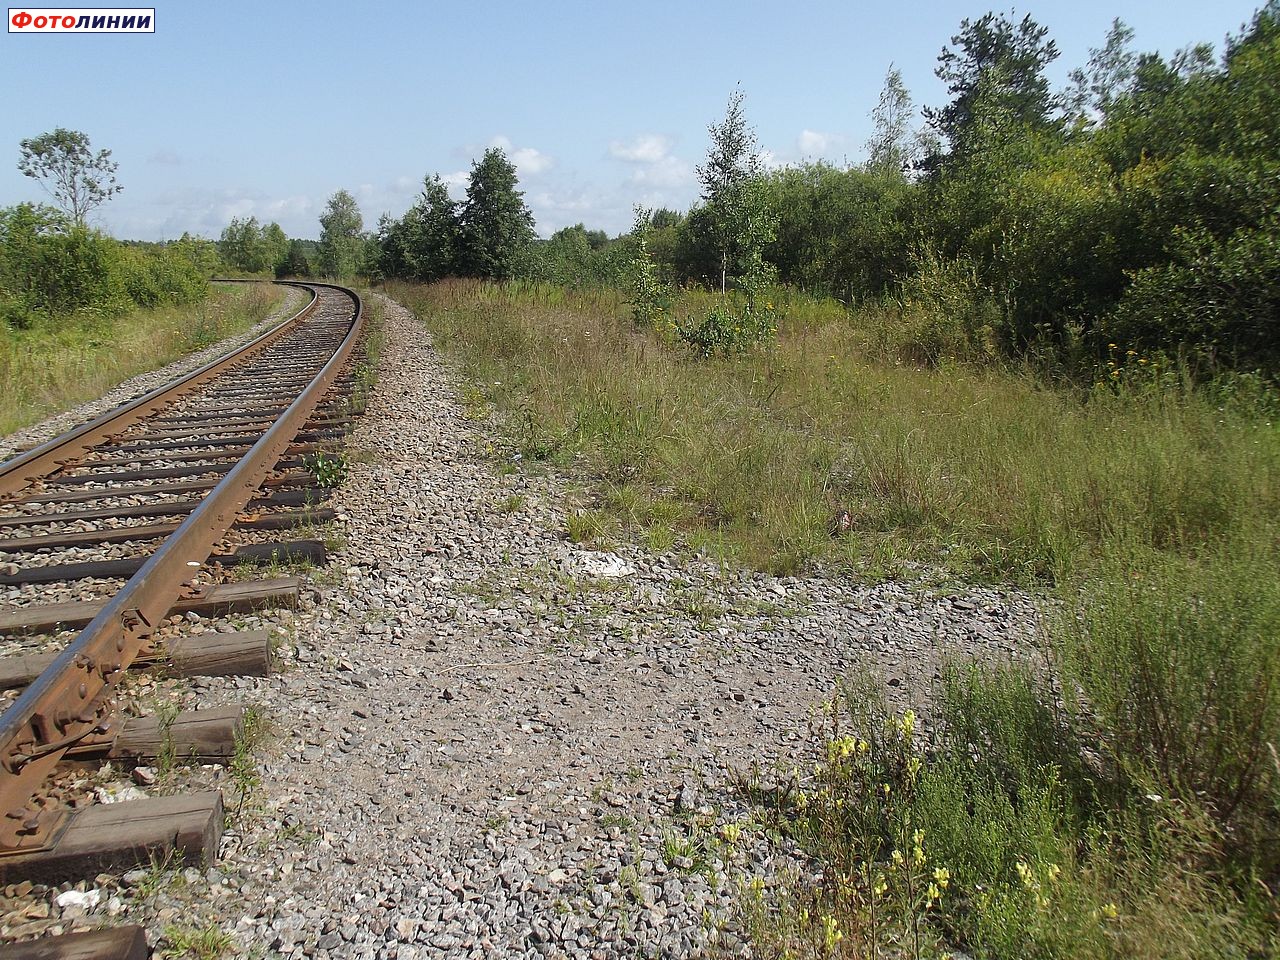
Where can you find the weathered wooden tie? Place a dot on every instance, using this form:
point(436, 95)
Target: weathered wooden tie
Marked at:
point(289, 551)
point(117, 943)
point(203, 736)
point(115, 837)
point(242, 654)
point(282, 520)
point(218, 600)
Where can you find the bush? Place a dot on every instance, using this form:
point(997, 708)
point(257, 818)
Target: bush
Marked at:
point(650, 297)
point(944, 313)
point(151, 277)
point(50, 269)
point(730, 326)
point(1219, 295)
point(977, 838)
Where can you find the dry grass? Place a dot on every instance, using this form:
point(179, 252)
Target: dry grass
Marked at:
point(982, 470)
point(50, 368)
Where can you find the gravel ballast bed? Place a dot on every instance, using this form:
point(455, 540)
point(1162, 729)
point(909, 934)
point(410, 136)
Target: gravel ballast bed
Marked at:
point(489, 733)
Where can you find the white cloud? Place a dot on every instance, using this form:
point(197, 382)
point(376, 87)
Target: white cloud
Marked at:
point(529, 161)
point(667, 172)
point(457, 183)
point(292, 207)
point(237, 209)
point(567, 204)
point(770, 161)
point(646, 148)
point(655, 165)
point(813, 143)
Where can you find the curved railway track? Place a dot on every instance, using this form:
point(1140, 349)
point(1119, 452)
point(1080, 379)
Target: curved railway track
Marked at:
point(125, 518)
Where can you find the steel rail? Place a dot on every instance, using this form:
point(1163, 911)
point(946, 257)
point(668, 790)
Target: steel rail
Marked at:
point(69, 701)
point(38, 462)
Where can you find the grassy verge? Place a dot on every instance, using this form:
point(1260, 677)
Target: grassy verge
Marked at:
point(983, 471)
point(1120, 800)
point(53, 366)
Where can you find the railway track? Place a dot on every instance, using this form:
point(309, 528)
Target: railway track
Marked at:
point(108, 530)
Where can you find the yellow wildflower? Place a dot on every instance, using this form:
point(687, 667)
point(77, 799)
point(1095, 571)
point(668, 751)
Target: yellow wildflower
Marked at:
point(831, 932)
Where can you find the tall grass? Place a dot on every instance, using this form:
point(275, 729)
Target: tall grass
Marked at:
point(56, 364)
point(983, 470)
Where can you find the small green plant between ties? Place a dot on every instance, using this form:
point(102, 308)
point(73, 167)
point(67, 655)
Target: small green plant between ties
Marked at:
point(329, 469)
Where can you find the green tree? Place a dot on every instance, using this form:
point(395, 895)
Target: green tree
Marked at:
point(889, 148)
point(495, 226)
point(650, 297)
point(275, 246)
point(389, 239)
point(296, 262)
point(580, 257)
point(247, 246)
point(1110, 75)
point(201, 253)
point(843, 233)
point(736, 204)
point(431, 233)
point(64, 164)
point(342, 245)
point(737, 221)
point(51, 267)
point(999, 63)
point(1195, 150)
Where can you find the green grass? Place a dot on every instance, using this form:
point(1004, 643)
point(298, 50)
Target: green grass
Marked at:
point(54, 366)
point(196, 943)
point(1145, 506)
point(982, 845)
point(984, 471)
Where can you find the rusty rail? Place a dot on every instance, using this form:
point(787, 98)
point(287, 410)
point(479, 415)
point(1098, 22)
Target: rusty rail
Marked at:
point(70, 701)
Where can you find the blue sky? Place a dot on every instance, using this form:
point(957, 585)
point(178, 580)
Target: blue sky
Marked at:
point(235, 109)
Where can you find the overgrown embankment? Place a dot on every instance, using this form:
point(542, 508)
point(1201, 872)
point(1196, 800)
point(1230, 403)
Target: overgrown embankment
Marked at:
point(1126, 808)
point(55, 363)
point(81, 311)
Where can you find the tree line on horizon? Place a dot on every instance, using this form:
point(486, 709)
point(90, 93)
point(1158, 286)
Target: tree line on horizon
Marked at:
point(1137, 206)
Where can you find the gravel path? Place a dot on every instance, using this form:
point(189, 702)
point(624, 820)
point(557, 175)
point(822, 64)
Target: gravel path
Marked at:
point(488, 741)
point(136, 386)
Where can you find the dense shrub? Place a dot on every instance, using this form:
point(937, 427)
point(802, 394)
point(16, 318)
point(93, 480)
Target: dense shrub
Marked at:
point(1141, 212)
point(52, 269)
